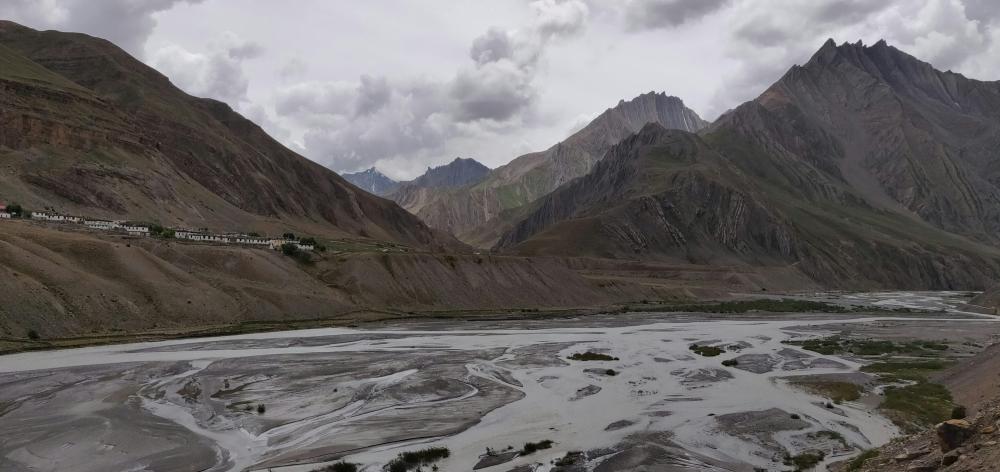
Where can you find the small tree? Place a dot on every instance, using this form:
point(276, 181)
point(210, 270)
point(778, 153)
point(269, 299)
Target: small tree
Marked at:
point(289, 249)
point(33, 335)
point(289, 236)
point(310, 241)
point(15, 210)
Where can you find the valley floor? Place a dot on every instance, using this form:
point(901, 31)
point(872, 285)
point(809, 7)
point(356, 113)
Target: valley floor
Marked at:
point(650, 391)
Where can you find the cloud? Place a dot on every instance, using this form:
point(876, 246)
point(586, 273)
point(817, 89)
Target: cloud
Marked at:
point(352, 125)
point(127, 23)
point(217, 73)
point(653, 14)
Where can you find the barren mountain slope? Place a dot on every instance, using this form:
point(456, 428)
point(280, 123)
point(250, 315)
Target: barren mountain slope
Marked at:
point(85, 128)
point(839, 169)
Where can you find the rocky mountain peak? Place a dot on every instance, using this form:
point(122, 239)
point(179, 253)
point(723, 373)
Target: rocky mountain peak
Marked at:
point(658, 107)
point(457, 173)
point(372, 181)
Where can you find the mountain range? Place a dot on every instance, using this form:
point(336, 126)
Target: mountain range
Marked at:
point(865, 165)
point(478, 212)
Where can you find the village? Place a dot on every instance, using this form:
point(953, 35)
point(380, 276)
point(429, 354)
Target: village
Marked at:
point(288, 240)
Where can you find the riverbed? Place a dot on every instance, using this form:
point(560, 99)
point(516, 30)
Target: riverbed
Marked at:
point(292, 401)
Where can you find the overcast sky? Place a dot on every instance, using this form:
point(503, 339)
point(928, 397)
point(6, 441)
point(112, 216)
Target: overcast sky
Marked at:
point(403, 85)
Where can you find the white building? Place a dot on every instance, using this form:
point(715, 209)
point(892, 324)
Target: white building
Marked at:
point(47, 216)
point(277, 243)
point(251, 240)
point(104, 225)
point(136, 230)
point(4, 215)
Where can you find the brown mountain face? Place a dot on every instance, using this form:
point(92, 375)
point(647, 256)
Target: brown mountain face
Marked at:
point(87, 129)
point(865, 167)
point(478, 213)
point(906, 137)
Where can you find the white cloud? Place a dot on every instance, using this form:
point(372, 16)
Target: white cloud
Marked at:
point(353, 125)
point(127, 23)
point(216, 73)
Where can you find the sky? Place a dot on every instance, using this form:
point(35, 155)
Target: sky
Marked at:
point(404, 84)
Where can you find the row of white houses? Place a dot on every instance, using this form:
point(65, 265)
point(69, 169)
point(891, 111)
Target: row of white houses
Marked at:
point(237, 238)
point(143, 230)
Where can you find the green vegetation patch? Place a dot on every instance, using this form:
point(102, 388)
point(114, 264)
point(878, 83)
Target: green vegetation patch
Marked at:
point(923, 404)
point(591, 356)
point(414, 460)
point(916, 370)
point(784, 305)
point(837, 391)
point(707, 351)
point(920, 405)
point(838, 345)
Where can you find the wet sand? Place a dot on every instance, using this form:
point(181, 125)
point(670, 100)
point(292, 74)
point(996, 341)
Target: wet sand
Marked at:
point(368, 394)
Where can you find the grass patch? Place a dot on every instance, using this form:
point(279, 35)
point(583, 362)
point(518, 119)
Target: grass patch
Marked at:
point(905, 370)
point(837, 345)
point(784, 305)
point(707, 351)
point(917, 406)
point(858, 462)
point(414, 460)
point(837, 391)
point(531, 448)
point(591, 356)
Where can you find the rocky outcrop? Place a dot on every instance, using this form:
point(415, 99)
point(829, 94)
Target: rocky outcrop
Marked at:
point(85, 128)
point(479, 213)
point(372, 181)
point(954, 445)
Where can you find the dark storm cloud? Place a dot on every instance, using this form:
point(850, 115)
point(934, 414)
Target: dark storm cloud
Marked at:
point(652, 14)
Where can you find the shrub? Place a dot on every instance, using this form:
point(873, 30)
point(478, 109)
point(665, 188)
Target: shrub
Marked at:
point(806, 460)
point(730, 363)
point(338, 467)
point(610, 372)
point(33, 335)
point(310, 241)
point(15, 210)
point(289, 249)
point(531, 448)
point(591, 356)
point(415, 459)
point(261, 409)
point(706, 351)
point(958, 413)
point(289, 236)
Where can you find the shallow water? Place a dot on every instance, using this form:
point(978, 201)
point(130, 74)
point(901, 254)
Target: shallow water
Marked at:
point(372, 393)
